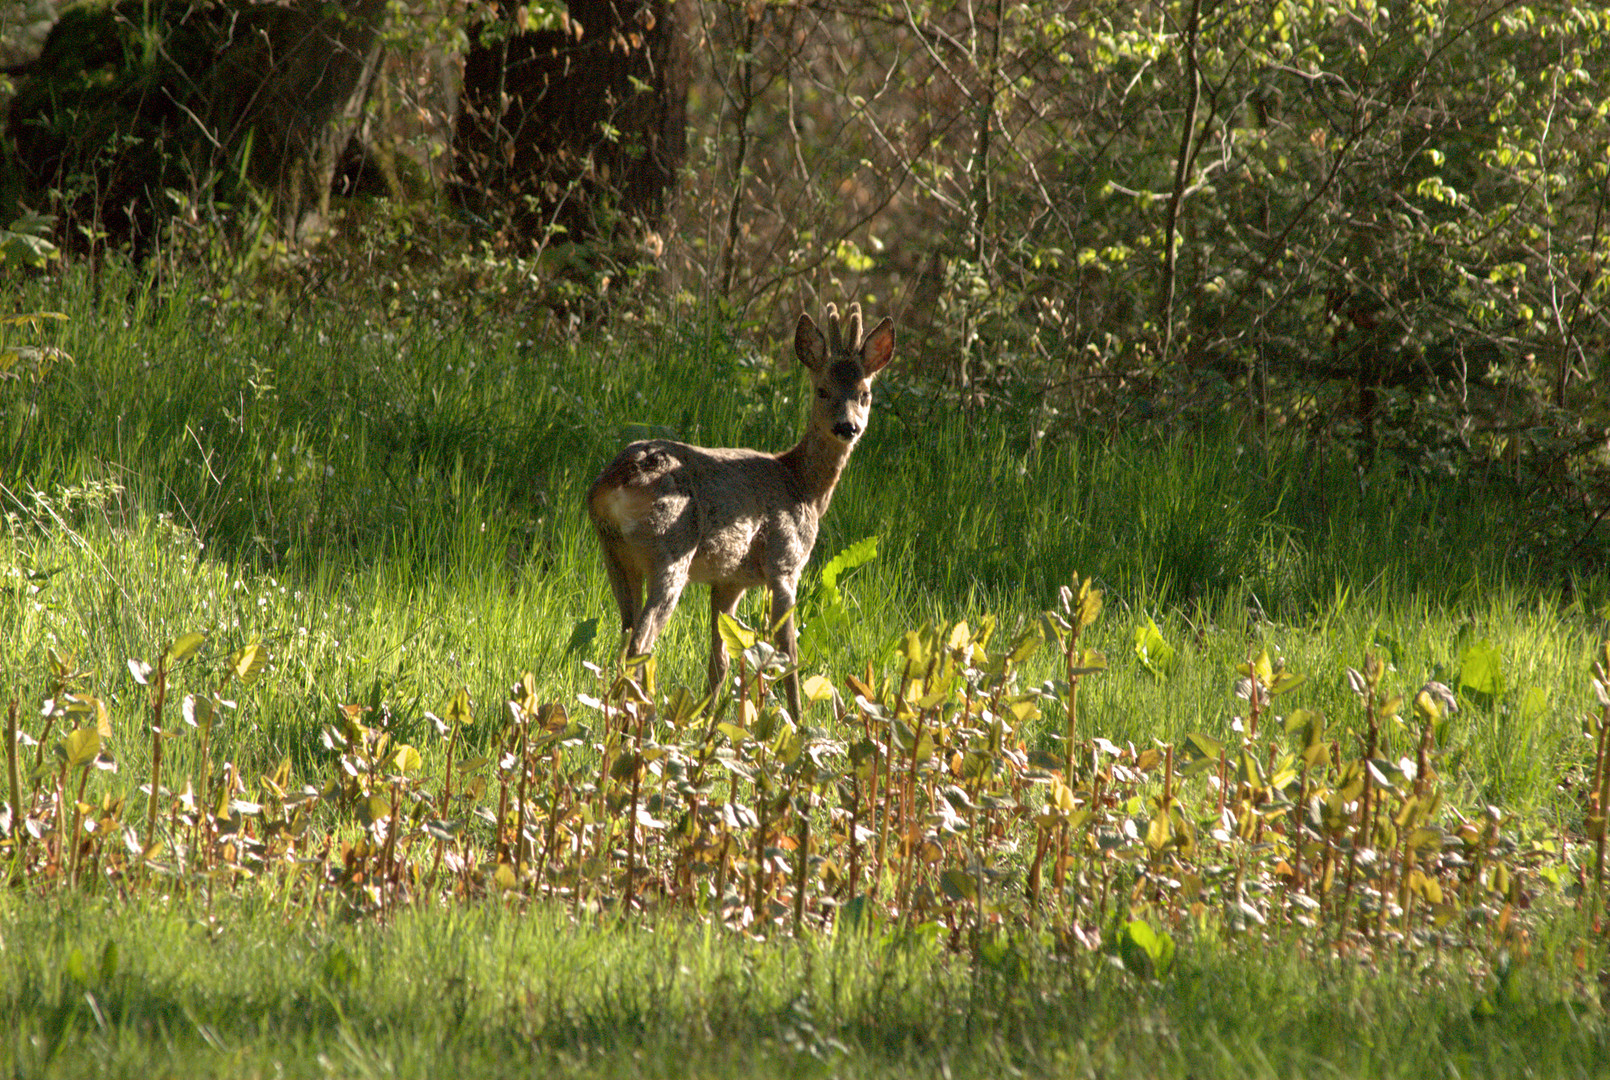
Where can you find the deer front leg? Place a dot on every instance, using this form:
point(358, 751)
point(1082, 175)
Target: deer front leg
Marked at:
point(782, 617)
point(724, 597)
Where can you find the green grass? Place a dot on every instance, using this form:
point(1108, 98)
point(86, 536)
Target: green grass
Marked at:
point(236, 989)
point(395, 512)
point(401, 512)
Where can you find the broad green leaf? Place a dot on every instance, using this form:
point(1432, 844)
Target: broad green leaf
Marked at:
point(87, 711)
point(1158, 832)
point(857, 554)
point(1426, 838)
point(1305, 726)
point(1426, 887)
point(76, 966)
point(958, 885)
point(789, 746)
point(24, 249)
point(1023, 709)
point(581, 636)
point(1286, 682)
point(1026, 645)
point(108, 962)
point(374, 808)
point(735, 636)
point(197, 711)
point(1481, 671)
point(1090, 604)
point(525, 696)
point(682, 707)
point(1385, 773)
point(1251, 771)
point(1156, 655)
point(1202, 747)
point(1260, 668)
point(1145, 951)
point(763, 725)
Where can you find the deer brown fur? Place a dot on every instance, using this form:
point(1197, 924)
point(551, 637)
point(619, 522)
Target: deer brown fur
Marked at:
point(668, 513)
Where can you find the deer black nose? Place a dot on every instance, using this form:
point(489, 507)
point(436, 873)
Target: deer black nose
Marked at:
point(846, 430)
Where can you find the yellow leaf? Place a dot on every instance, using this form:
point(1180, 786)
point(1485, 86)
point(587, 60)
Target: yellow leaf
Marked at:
point(918, 647)
point(525, 694)
point(1090, 661)
point(1023, 710)
point(405, 759)
point(817, 688)
point(81, 746)
point(184, 648)
point(1089, 604)
point(1264, 668)
point(459, 710)
point(248, 663)
point(1158, 833)
point(1427, 887)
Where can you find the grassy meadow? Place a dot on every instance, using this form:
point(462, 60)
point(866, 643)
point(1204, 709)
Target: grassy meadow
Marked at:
point(1374, 883)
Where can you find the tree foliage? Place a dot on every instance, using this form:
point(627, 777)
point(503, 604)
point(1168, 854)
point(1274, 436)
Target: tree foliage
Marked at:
point(1376, 224)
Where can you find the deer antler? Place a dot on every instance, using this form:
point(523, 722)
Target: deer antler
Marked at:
point(853, 337)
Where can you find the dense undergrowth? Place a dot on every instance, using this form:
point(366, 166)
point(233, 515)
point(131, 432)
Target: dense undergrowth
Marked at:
point(302, 613)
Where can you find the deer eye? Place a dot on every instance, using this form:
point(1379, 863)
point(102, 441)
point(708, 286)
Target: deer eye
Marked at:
point(821, 392)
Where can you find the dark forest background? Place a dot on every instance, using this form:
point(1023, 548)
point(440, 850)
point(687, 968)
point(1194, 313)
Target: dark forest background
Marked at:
point(1378, 228)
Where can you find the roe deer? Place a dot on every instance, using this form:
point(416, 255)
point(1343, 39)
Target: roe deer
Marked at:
point(668, 513)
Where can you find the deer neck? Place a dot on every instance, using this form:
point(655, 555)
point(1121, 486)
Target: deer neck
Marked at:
point(816, 461)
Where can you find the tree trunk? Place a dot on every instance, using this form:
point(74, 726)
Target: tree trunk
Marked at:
point(132, 102)
point(296, 79)
point(578, 131)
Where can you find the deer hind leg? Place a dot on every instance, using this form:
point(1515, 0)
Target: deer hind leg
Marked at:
point(627, 582)
point(724, 597)
point(782, 618)
point(665, 585)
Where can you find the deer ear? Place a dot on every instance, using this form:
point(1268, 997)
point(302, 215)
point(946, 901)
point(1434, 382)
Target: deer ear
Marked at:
point(878, 347)
point(809, 344)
